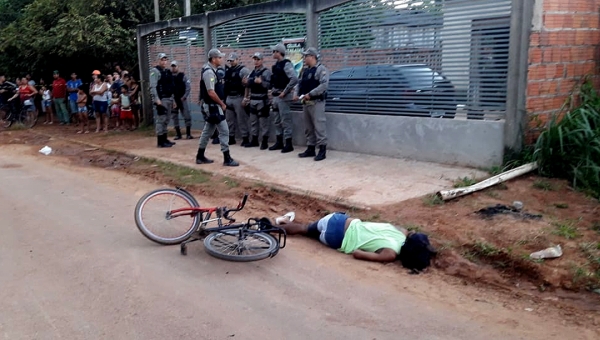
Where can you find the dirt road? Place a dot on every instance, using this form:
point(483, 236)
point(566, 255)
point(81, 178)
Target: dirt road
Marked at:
point(73, 266)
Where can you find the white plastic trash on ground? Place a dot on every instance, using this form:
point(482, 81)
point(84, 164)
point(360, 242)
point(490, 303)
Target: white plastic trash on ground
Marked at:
point(46, 150)
point(548, 253)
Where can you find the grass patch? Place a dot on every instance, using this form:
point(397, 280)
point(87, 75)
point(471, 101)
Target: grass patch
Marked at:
point(464, 182)
point(561, 205)
point(566, 229)
point(544, 185)
point(17, 127)
point(180, 174)
point(569, 147)
point(432, 200)
point(230, 182)
point(596, 227)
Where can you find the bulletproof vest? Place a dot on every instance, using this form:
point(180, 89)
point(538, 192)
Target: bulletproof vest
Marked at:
point(233, 81)
point(166, 85)
point(309, 82)
point(279, 79)
point(219, 87)
point(179, 84)
point(258, 91)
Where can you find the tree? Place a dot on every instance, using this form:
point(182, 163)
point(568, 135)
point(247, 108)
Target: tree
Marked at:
point(38, 36)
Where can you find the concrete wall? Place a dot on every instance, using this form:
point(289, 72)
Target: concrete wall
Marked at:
point(564, 47)
point(448, 141)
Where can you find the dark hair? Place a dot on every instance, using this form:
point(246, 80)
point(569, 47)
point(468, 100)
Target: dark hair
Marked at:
point(80, 87)
point(416, 253)
point(125, 87)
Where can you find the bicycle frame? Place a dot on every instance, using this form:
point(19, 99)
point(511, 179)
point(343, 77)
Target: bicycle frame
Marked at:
point(222, 212)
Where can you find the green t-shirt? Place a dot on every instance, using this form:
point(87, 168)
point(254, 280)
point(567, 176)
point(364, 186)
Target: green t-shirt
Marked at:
point(369, 236)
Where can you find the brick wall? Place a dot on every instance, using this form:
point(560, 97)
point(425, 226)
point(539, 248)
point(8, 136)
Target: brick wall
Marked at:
point(563, 48)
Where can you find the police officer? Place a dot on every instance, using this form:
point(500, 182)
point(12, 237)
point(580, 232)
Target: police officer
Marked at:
point(212, 94)
point(237, 119)
point(182, 93)
point(312, 91)
point(283, 82)
point(162, 87)
point(258, 84)
point(221, 76)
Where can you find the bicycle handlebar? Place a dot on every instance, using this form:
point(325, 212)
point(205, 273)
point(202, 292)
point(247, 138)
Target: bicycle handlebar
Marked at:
point(239, 207)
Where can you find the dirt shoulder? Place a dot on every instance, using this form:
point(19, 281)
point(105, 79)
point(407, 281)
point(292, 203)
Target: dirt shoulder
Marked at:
point(488, 253)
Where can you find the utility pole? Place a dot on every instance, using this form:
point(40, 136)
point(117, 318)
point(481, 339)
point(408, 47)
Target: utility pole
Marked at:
point(156, 14)
point(188, 8)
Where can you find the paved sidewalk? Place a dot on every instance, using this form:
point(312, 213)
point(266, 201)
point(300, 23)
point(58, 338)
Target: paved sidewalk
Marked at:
point(355, 179)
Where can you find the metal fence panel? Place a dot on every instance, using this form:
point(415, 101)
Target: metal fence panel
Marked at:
point(428, 58)
point(257, 33)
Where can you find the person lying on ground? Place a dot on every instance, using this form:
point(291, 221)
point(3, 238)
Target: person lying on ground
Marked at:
point(370, 241)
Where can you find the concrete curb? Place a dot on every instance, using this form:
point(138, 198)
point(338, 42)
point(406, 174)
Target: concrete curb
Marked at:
point(286, 189)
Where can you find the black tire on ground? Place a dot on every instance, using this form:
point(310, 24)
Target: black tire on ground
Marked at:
point(226, 245)
point(148, 217)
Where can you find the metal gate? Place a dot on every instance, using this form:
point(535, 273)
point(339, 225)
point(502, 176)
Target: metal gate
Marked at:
point(257, 33)
point(420, 58)
point(186, 46)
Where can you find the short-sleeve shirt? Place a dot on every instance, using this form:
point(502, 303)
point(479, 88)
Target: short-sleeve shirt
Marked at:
point(209, 77)
point(74, 84)
point(370, 236)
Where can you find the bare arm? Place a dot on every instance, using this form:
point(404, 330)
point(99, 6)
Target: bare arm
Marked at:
point(33, 89)
point(385, 255)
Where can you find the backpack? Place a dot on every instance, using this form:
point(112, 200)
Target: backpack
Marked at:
point(416, 253)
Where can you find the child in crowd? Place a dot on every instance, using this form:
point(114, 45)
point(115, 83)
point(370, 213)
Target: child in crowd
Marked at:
point(47, 104)
point(126, 113)
point(115, 109)
point(82, 110)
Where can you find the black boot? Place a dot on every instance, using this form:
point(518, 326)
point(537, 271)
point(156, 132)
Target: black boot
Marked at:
point(166, 140)
point(200, 159)
point(160, 142)
point(310, 152)
point(245, 142)
point(321, 155)
point(178, 132)
point(231, 140)
point(253, 142)
point(288, 146)
point(188, 132)
point(278, 144)
point(228, 161)
point(265, 143)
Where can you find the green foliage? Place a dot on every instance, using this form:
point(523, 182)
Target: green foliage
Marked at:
point(38, 36)
point(464, 182)
point(570, 146)
point(433, 200)
point(566, 229)
point(542, 184)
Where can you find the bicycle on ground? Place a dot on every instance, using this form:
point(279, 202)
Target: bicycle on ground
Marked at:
point(173, 216)
point(9, 114)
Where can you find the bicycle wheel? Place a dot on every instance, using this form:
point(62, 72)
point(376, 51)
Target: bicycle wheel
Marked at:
point(29, 118)
point(5, 117)
point(152, 216)
point(251, 246)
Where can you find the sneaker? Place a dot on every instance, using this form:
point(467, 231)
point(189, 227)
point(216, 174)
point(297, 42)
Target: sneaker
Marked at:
point(285, 219)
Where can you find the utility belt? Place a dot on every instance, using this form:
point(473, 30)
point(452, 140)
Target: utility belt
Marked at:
point(234, 94)
point(320, 97)
point(261, 96)
point(276, 92)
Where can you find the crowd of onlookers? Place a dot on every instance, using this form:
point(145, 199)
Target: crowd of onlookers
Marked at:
point(111, 99)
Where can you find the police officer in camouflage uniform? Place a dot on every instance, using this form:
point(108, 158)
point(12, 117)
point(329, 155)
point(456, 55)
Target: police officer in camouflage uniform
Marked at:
point(237, 118)
point(283, 81)
point(162, 87)
point(258, 84)
point(312, 91)
point(212, 96)
point(182, 93)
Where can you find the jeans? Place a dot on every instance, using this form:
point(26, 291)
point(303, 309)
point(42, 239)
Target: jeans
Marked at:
point(61, 110)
